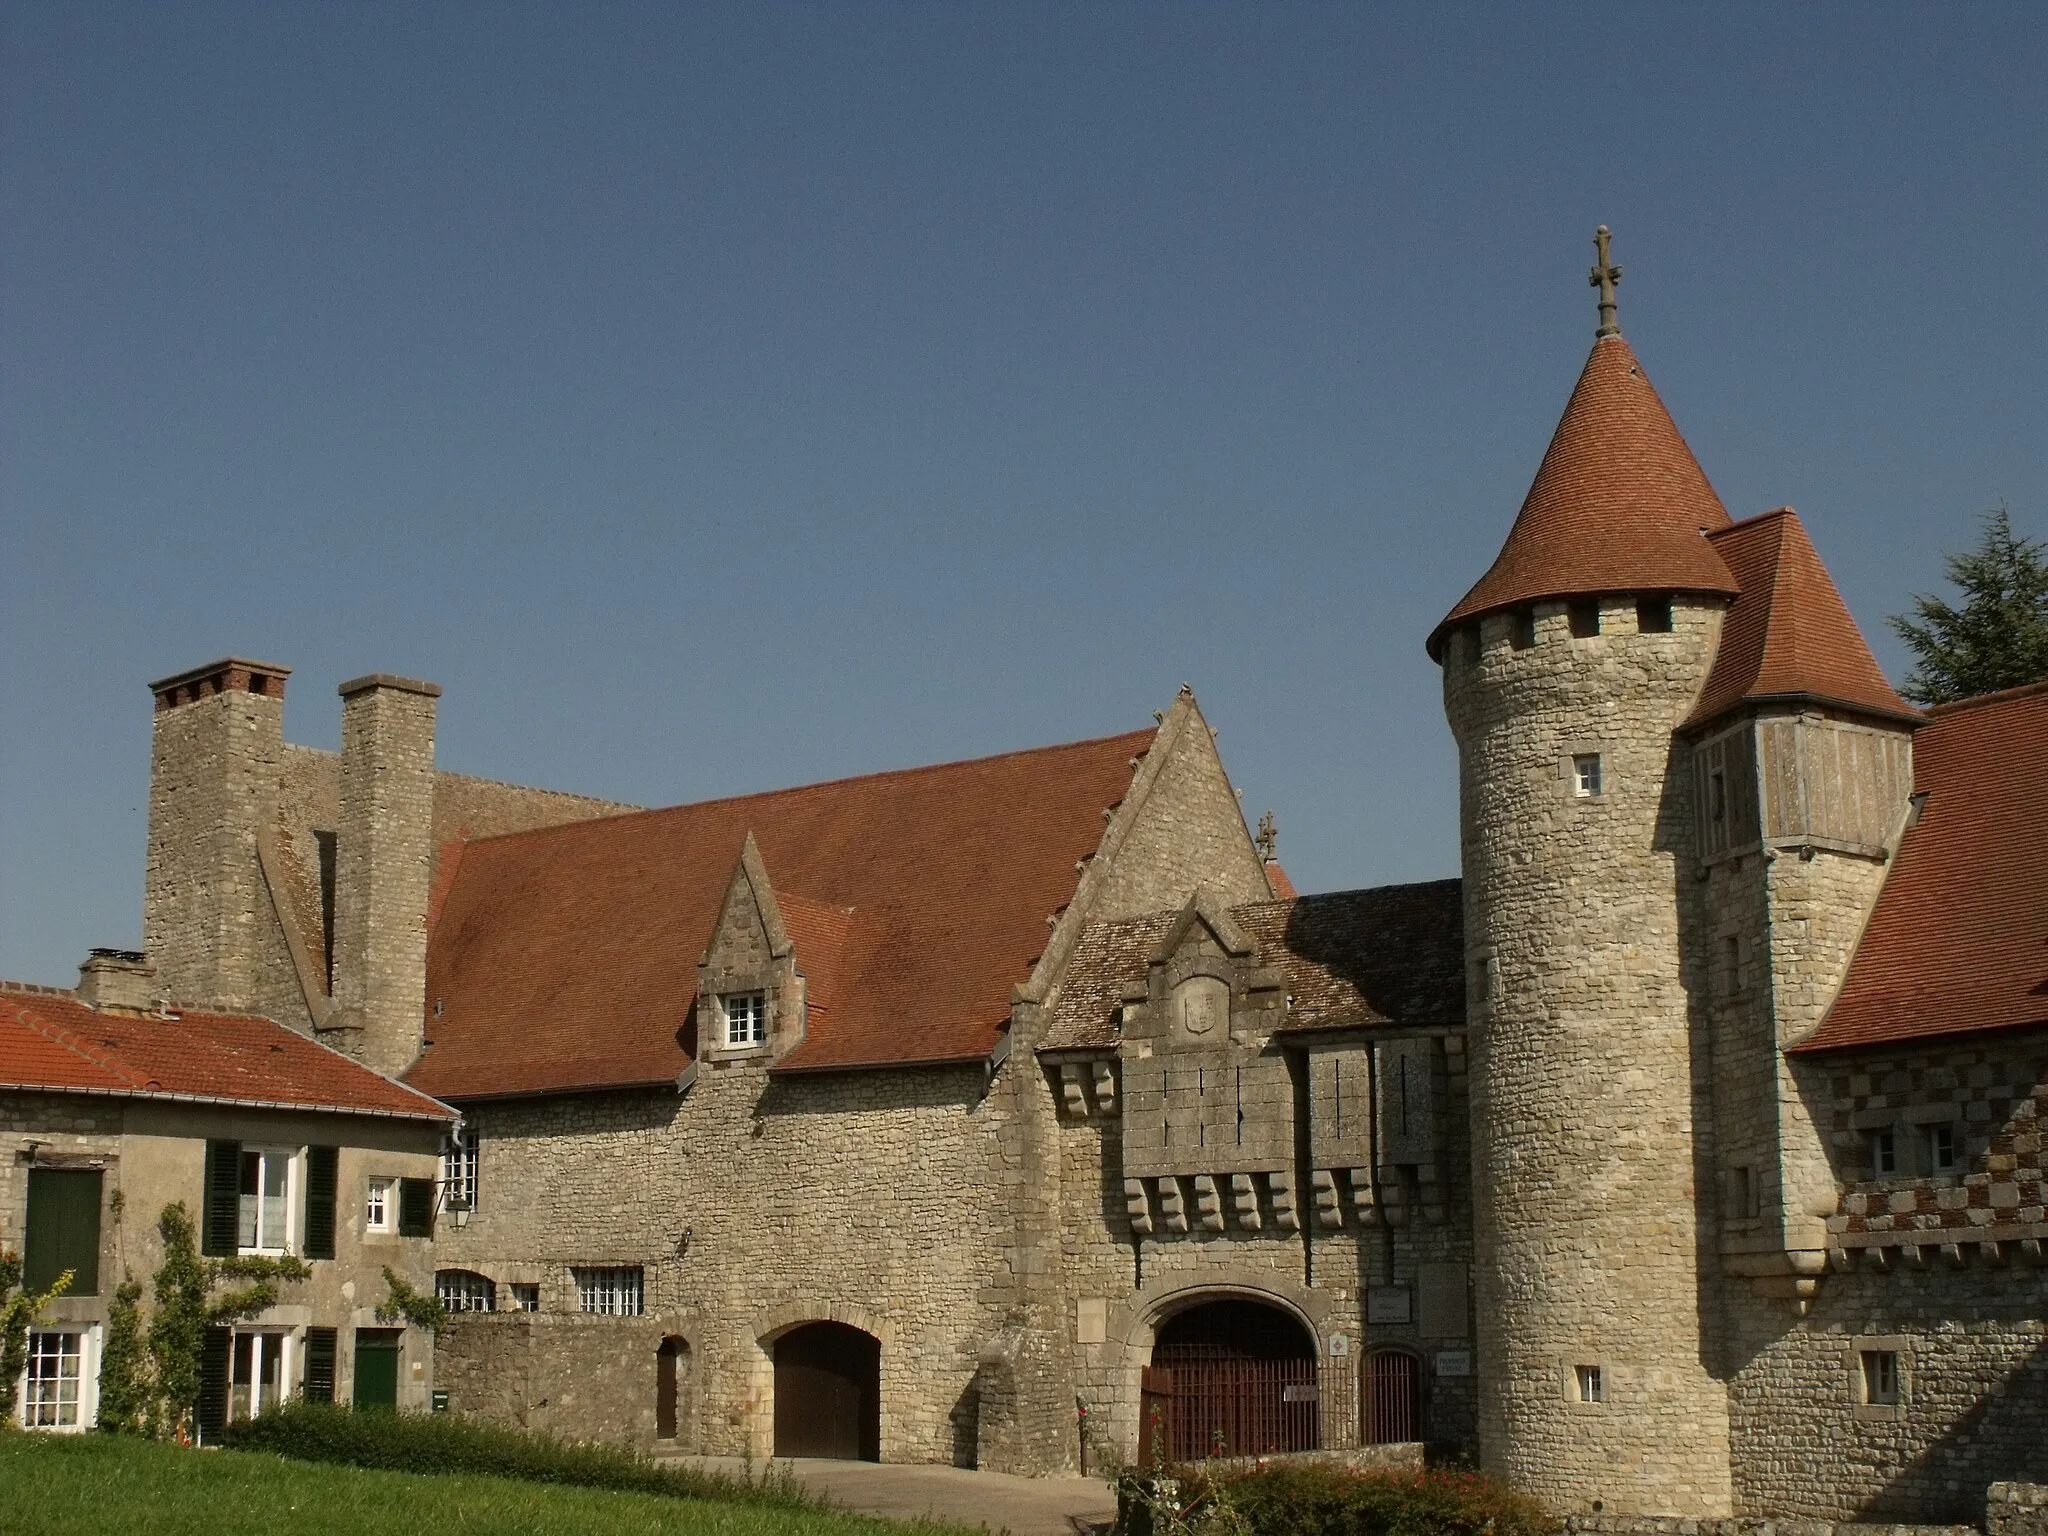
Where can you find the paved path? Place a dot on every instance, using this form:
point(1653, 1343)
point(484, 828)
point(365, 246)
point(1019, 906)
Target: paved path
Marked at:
point(1024, 1506)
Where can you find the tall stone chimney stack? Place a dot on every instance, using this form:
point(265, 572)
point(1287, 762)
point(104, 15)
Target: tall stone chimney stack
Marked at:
point(383, 866)
point(215, 755)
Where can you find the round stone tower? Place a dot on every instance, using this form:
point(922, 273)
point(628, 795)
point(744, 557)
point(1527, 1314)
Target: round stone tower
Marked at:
point(1566, 671)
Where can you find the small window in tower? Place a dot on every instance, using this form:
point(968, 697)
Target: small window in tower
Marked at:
point(1881, 1377)
point(1590, 1383)
point(1653, 615)
point(1586, 780)
point(1585, 617)
point(1940, 1148)
point(1884, 1153)
point(1522, 635)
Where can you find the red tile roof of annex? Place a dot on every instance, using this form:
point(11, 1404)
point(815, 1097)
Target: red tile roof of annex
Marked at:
point(1789, 634)
point(1958, 942)
point(50, 1040)
point(1619, 504)
point(566, 958)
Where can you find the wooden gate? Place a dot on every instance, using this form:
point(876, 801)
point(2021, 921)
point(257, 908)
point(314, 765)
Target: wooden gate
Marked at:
point(1392, 1397)
point(1229, 1378)
point(828, 1393)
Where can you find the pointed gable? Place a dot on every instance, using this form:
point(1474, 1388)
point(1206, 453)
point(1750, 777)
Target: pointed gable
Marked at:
point(566, 958)
point(1789, 634)
point(1619, 504)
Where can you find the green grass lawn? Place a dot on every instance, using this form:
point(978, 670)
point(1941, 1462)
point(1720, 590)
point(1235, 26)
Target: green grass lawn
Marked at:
point(101, 1485)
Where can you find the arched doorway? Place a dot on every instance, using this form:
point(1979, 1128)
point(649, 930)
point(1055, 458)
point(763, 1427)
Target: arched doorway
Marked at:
point(1390, 1397)
point(828, 1393)
point(1230, 1377)
point(671, 1371)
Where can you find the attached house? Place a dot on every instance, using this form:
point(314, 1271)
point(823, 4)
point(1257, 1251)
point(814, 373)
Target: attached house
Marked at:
point(114, 1106)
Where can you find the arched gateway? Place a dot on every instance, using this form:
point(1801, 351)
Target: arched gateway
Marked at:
point(828, 1393)
point(1229, 1377)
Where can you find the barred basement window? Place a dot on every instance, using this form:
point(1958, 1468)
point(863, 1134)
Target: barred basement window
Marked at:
point(525, 1298)
point(613, 1292)
point(459, 1167)
point(461, 1290)
point(746, 1018)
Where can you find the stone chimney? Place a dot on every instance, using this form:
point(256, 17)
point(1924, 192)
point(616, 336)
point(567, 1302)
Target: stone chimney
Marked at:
point(119, 980)
point(384, 849)
point(215, 756)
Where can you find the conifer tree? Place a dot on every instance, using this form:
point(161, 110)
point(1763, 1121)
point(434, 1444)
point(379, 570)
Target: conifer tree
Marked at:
point(1998, 638)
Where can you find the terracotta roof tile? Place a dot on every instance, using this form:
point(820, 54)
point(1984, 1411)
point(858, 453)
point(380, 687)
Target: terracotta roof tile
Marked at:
point(1618, 504)
point(1959, 939)
point(1789, 634)
point(50, 1040)
point(567, 957)
point(1283, 887)
point(1390, 955)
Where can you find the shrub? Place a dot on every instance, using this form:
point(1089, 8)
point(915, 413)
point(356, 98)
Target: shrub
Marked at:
point(439, 1443)
point(1321, 1499)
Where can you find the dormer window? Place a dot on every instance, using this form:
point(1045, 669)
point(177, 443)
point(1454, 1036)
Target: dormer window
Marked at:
point(746, 1018)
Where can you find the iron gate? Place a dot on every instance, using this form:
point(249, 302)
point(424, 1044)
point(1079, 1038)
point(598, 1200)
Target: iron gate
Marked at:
point(1393, 1397)
point(1230, 1378)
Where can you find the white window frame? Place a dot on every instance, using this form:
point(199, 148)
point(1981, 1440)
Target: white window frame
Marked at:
point(86, 1400)
point(1857, 1362)
point(283, 1342)
point(1586, 1383)
point(611, 1290)
point(462, 1297)
point(1937, 1159)
point(287, 1241)
point(742, 1036)
point(461, 1169)
point(380, 1205)
point(525, 1296)
point(1589, 780)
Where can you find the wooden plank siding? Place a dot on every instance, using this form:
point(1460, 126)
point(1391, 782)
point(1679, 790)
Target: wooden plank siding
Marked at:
point(1801, 781)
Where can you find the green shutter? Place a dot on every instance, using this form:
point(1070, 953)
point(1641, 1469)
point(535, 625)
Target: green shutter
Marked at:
point(63, 1230)
point(220, 1227)
point(210, 1413)
point(320, 1365)
point(322, 1166)
point(415, 1207)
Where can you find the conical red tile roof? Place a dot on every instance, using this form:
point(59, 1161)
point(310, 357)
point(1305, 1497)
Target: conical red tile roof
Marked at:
point(1789, 635)
point(1619, 503)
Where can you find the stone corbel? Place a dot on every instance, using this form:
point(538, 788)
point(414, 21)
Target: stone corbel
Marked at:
point(1138, 1206)
point(1364, 1199)
point(1071, 1096)
point(1105, 1087)
point(1173, 1212)
point(1244, 1198)
point(1208, 1203)
point(1281, 1187)
point(1329, 1203)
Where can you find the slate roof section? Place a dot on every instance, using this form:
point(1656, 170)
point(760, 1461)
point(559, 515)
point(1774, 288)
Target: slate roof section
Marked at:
point(1619, 504)
point(51, 1041)
point(1789, 635)
point(1958, 942)
point(566, 958)
point(1394, 954)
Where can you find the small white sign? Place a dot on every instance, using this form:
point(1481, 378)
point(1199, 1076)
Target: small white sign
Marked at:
point(1298, 1392)
point(1340, 1344)
point(1454, 1362)
point(1388, 1304)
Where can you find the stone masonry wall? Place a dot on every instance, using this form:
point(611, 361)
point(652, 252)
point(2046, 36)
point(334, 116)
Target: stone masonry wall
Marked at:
point(582, 1378)
point(755, 1204)
point(1585, 1093)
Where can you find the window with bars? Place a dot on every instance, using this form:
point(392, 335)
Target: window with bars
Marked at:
point(746, 1018)
point(614, 1291)
point(460, 1162)
point(525, 1298)
point(462, 1290)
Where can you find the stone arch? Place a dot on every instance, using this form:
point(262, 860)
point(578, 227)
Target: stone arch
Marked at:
point(1393, 1395)
point(771, 1326)
point(674, 1389)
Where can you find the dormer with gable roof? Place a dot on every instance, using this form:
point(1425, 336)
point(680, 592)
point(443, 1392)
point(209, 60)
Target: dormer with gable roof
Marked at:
point(750, 1002)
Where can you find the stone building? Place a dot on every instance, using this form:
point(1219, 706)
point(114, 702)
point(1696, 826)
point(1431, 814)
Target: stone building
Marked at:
point(1684, 1156)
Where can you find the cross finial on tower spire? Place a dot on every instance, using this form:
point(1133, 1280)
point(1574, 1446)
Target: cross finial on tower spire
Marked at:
point(1604, 277)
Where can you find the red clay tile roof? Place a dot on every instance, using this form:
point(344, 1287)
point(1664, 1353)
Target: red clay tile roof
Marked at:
point(50, 1040)
point(1283, 888)
point(1789, 634)
point(566, 958)
point(1959, 940)
point(1391, 955)
point(1618, 504)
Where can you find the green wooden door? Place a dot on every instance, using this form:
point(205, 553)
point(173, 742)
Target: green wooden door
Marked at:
point(63, 1229)
point(376, 1368)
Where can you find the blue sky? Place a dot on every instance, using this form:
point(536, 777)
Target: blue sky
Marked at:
point(713, 399)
